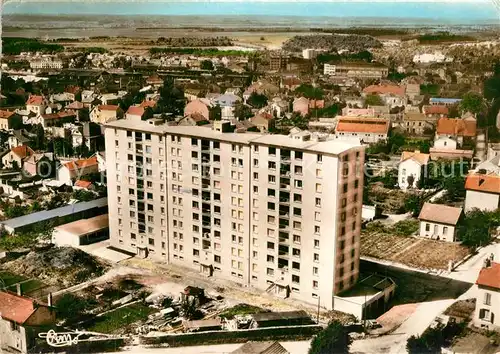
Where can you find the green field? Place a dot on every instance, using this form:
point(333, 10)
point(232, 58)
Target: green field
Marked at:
point(118, 319)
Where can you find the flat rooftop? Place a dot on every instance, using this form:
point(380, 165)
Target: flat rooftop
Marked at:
point(40, 216)
point(333, 147)
point(85, 226)
point(367, 288)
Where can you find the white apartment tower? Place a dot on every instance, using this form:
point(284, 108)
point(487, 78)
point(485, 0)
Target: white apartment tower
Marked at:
point(277, 213)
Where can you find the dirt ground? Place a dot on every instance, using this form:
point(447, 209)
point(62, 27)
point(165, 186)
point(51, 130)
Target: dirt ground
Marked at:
point(170, 280)
point(414, 252)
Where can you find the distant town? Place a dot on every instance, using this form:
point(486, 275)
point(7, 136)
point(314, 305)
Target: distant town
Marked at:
point(326, 192)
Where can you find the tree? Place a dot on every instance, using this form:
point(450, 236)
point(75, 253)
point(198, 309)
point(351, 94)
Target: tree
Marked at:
point(242, 111)
point(474, 230)
point(40, 137)
point(333, 339)
point(373, 100)
point(206, 65)
point(430, 342)
point(172, 98)
point(472, 102)
point(309, 91)
point(410, 181)
point(414, 203)
point(70, 307)
point(257, 100)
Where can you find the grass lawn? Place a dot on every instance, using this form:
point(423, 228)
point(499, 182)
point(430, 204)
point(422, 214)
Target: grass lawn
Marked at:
point(241, 309)
point(118, 319)
point(10, 278)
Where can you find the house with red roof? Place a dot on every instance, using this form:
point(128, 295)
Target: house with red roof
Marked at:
point(367, 130)
point(102, 114)
point(16, 156)
point(456, 128)
point(10, 120)
point(57, 119)
point(439, 222)
point(487, 314)
point(135, 113)
point(36, 104)
point(392, 95)
point(73, 170)
point(482, 191)
point(21, 319)
point(435, 111)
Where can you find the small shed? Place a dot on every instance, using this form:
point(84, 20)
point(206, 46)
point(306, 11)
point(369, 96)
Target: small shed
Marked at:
point(274, 319)
point(439, 222)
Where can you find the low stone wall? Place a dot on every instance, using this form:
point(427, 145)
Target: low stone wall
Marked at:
point(240, 336)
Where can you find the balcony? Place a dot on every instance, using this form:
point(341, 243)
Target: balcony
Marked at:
point(285, 173)
point(285, 200)
point(284, 214)
point(285, 160)
point(205, 187)
point(285, 187)
point(206, 212)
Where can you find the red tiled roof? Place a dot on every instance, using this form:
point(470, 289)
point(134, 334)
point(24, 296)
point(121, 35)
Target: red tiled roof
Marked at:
point(22, 151)
point(197, 117)
point(16, 308)
point(154, 79)
point(5, 114)
point(439, 213)
point(490, 276)
point(79, 164)
point(136, 110)
point(73, 89)
point(107, 107)
point(455, 126)
point(436, 109)
point(421, 158)
point(35, 100)
point(483, 183)
point(385, 89)
point(83, 184)
point(373, 125)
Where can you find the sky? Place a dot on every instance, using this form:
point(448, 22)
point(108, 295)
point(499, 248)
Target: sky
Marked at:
point(249, 1)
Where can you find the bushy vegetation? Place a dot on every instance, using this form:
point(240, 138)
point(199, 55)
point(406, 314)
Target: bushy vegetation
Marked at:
point(433, 339)
point(475, 229)
point(71, 308)
point(87, 50)
point(443, 37)
point(241, 309)
point(353, 43)
point(333, 339)
point(186, 42)
point(16, 46)
point(364, 55)
point(208, 52)
point(309, 91)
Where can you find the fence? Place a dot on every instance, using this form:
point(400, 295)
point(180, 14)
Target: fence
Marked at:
point(240, 336)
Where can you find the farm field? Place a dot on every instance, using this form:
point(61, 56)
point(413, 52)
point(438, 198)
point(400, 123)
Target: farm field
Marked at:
point(410, 251)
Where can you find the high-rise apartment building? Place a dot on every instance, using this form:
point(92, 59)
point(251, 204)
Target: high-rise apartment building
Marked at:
point(274, 212)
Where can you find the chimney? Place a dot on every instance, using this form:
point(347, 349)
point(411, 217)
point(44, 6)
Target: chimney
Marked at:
point(49, 300)
point(18, 289)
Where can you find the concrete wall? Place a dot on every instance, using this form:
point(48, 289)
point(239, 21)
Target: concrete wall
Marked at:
point(480, 200)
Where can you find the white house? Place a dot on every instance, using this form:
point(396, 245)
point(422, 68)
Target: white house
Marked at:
point(482, 191)
point(75, 169)
point(412, 164)
point(487, 314)
point(227, 103)
point(439, 222)
point(445, 142)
